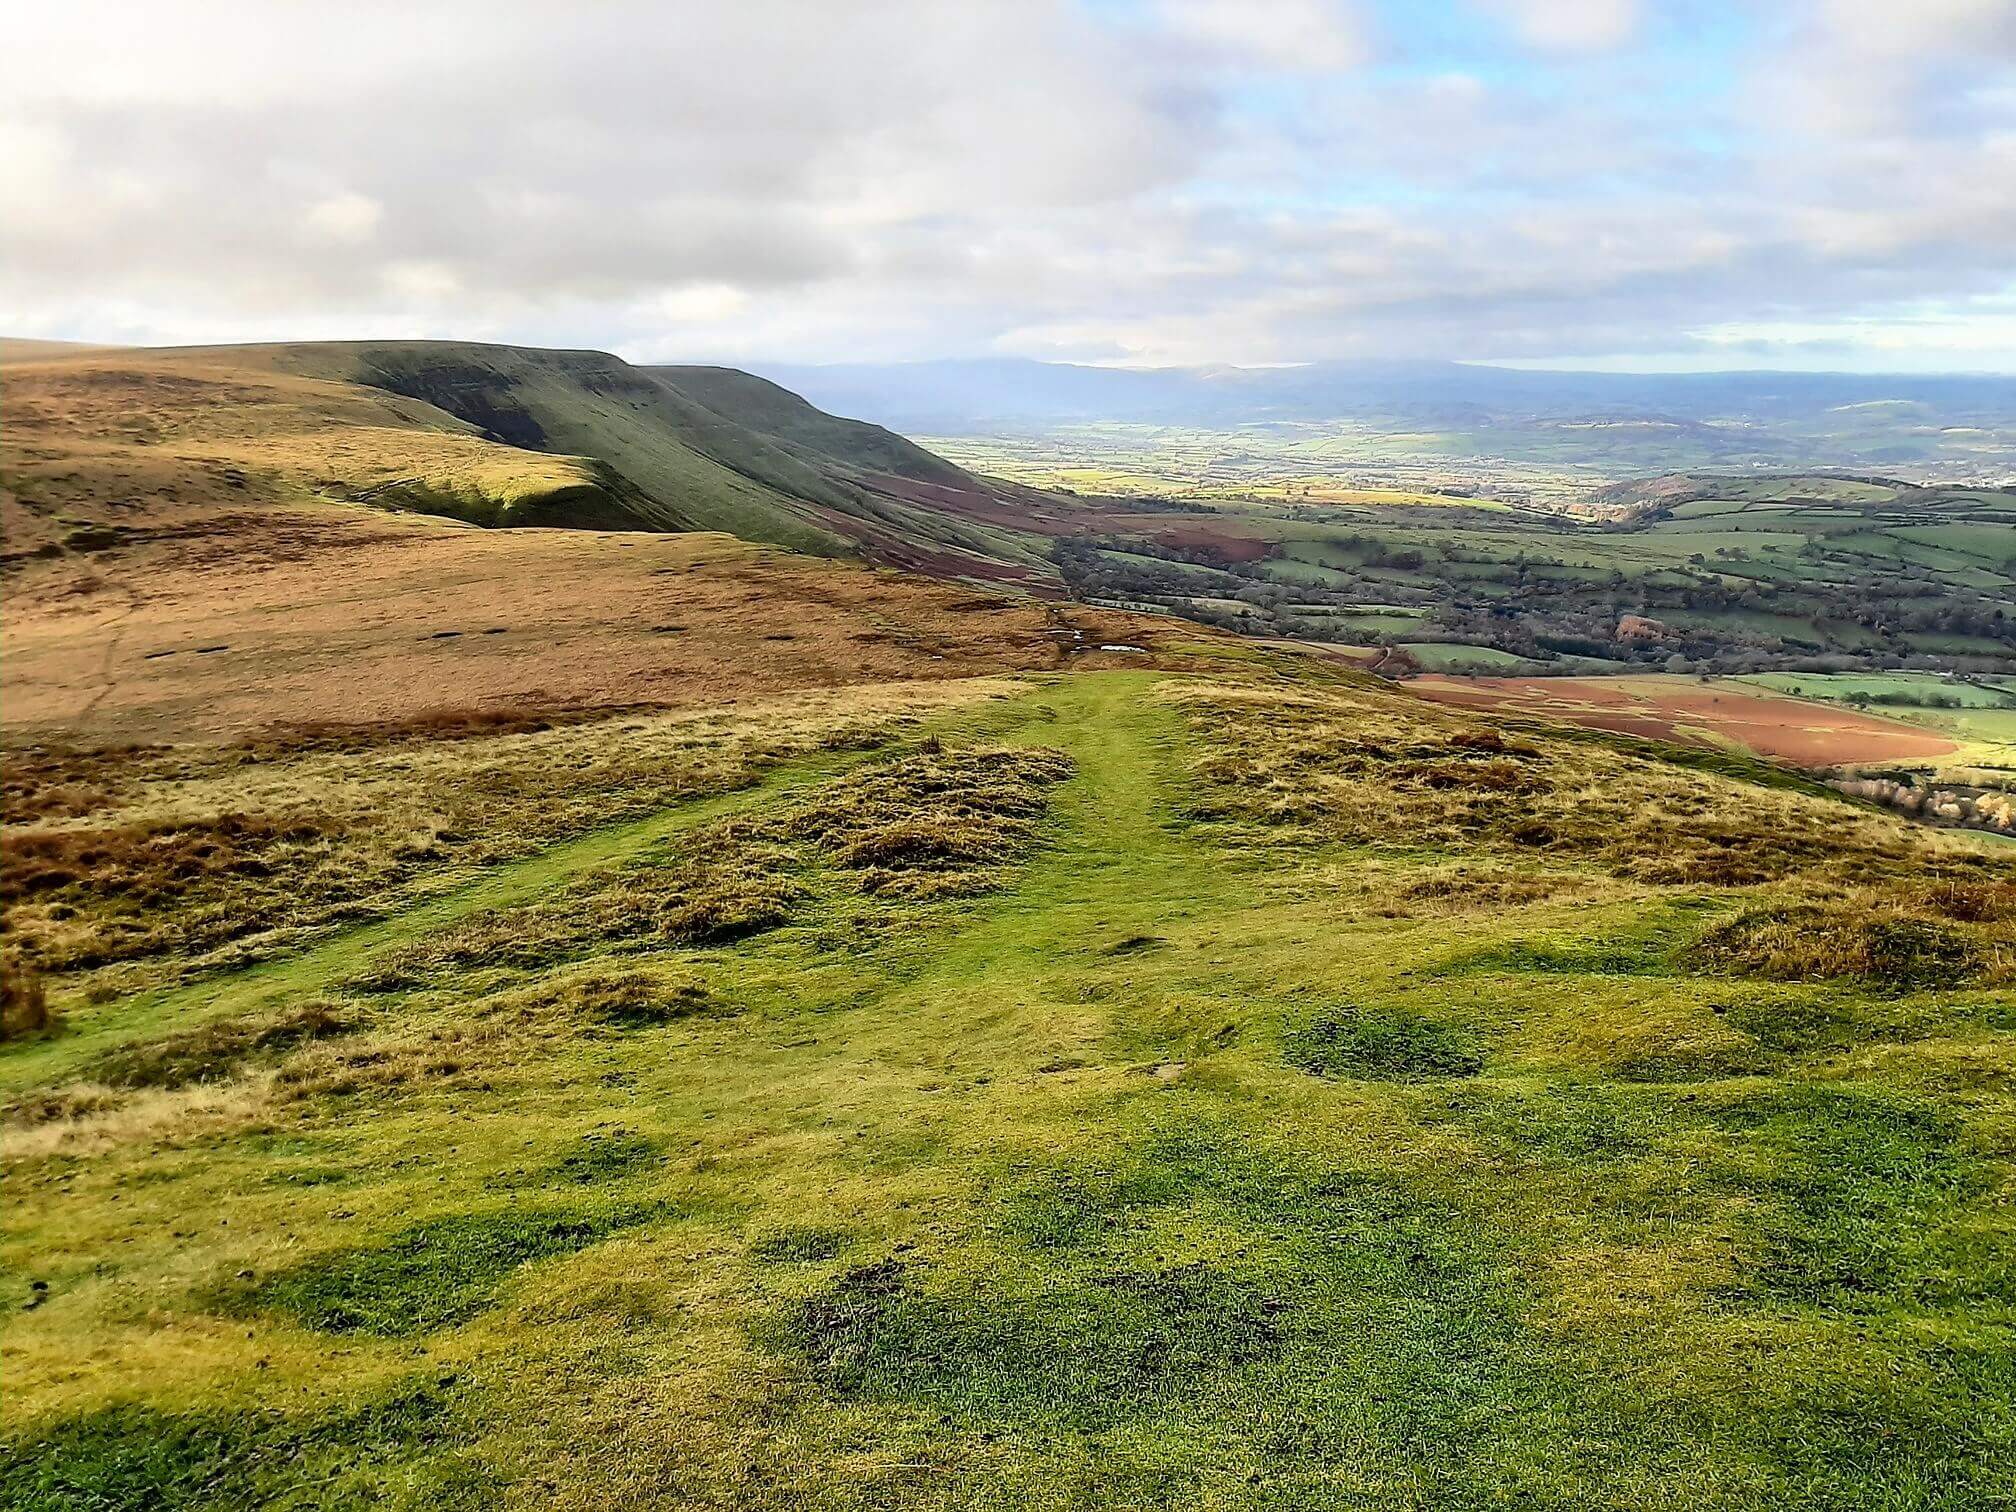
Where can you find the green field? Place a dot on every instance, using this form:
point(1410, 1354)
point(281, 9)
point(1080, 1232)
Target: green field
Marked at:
point(1437, 657)
point(1735, 575)
point(1249, 1087)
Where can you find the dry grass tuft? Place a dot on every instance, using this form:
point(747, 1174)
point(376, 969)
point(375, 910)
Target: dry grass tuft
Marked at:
point(220, 1051)
point(62, 782)
point(924, 826)
point(24, 1000)
point(1892, 940)
point(218, 856)
point(934, 824)
point(447, 723)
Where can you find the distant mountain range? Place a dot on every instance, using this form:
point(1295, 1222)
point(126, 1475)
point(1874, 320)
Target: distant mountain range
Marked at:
point(1745, 418)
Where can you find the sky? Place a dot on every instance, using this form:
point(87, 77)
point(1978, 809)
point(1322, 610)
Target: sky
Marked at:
point(1626, 184)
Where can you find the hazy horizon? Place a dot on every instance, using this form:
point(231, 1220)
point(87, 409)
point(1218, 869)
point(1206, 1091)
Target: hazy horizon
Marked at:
point(1593, 368)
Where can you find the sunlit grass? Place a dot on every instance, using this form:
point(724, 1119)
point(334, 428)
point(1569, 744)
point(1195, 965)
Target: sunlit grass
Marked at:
point(1283, 1124)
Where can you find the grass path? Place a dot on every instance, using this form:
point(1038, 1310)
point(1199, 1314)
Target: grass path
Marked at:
point(89, 1032)
point(1030, 1199)
point(1115, 869)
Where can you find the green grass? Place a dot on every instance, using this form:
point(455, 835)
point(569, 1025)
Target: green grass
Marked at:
point(1439, 656)
point(1284, 1126)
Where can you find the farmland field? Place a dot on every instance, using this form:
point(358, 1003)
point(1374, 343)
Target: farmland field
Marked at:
point(1693, 575)
point(1978, 715)
point(1721, 714)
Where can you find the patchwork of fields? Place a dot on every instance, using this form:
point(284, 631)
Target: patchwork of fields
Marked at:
point(1696, 574)
point(1716, 714)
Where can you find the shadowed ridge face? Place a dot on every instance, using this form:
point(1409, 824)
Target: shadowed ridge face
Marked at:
point(715, 449)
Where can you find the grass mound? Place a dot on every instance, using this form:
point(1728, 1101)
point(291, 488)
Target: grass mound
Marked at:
point(935, 823)
point(1372, 769)
point(628, 999)
point(24, 997)
point(1882, 941)
point(213, 1052)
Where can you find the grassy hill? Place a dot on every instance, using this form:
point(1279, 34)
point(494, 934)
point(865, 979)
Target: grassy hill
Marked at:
point(589, 1018)
point(1236, 1083)
point(495, 436)
point(707, 448)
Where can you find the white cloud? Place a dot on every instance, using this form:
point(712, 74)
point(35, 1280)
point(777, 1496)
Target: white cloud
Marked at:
point(1292, 35)
point(1168, 180)
point(1570, 25)
point(347, 219)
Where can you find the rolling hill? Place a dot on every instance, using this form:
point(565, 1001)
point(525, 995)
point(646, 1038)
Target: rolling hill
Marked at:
point(495, 436)
point(590, 1018)
point(713, 449)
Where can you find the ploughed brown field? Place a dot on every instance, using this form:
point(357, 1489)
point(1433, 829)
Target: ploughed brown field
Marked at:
point(1683, 709)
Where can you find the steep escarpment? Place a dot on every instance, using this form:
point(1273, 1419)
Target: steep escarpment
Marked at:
point(715, 449)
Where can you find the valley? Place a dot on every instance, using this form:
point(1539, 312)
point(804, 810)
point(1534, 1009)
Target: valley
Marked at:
point(588, 935)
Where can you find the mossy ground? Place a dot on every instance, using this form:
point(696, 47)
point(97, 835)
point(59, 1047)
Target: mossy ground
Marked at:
point(1218, 1146)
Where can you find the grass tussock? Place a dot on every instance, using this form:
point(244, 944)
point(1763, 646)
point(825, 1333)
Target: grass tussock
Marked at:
point(220, 1051)
point(24, 996)
point(621, 999)
point(1894, 941)
point(457, 1055)
point(161, 861)
point(934, 823)
point(46, 782)
point(443, 724)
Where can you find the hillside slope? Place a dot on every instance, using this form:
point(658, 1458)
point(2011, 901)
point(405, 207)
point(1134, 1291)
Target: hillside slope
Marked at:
point(106, 445)
point(713, 449)
point(497, 436)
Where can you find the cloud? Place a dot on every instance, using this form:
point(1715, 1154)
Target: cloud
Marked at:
point(1570, 25)
point(1160, 180)
point(345, 218)
point(1297, 36)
